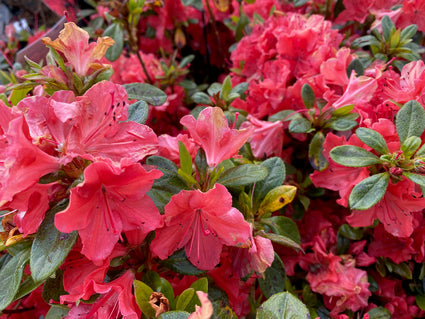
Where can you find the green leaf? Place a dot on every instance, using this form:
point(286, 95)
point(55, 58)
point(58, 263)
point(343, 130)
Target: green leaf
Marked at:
point(299, 3)
point(174, 315)
point(199, 285)
point(283, 306)
point(420, 301)
point(353, 156)
point(143, 292)
point(184, 298)
point(315, 152)
point(226, 88)
point(214, 88)
point(185, 159)
point(282, 240)
point(11, 275)
point(342, 124)
point(179, 263)
point(274, 278)
point(356, 66)
point(283, 115)
point(299, 125)
point(26, 287)
point(202, 98)
point(201, 165)
point(186, 60)
point(283, 226)
point(146, 92)
point(242, 175)
point(401, 269)
point(410, 146)
point(410, 120)
point(115, 31)
point(379, 313)
point(343, 110)
point(138, 112)
point(353, 233)
point(275, 177)
point(197, 4)
point(369, 191)
point(159, 284)
point(50, 246)
point(407, 33)
point(372, 139)
point(365, 41)
point(240, 88)
point(416, 178)
point(57, 312)
point(19, 94)
point(388, 27)
point(53, 287)
point(307, 95)
point(168, 184)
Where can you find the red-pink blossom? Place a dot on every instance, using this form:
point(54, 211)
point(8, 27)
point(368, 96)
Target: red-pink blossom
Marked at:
point(212, 132)
point(110, 200)
point(201, 223)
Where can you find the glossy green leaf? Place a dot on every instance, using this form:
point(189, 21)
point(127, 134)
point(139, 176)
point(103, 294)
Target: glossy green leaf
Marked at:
point(410, 120)
point(274, 278)
point(167, 185)
point(186, 60)
point(11, 275)
point(353, 233)
point(174, 315)
point(179, 263)
point(416, 178)
point(185, 159)
point(284, 226)
point(342, 124)
point(353, 156)
point(372, 139)
point(26, 288)
point(242, 175)
point(116, 32)
point(281, 240)
point(197, 4)
point(299, 125)
point(275, 177)
point(226, 88)
point(202, 98)
point(57, 312)
point(184, 299)
point(143, 292)
point(19, 94)
point(408, 32)
point(356, 66)
point(138, 112)
point(420, 301)
point(199, 285)
point(240, 88)
point(315, 152)
point(410, 146)
point(53, 287)
point(307, 96)
point(50, 246)
point(388, 27)
point(283, 306)
point(369, 191)
point(146, 92)
point(379, 313)
point(299, 3)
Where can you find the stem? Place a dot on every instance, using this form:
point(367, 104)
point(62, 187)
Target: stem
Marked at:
point(214, 24)
point(144, 67)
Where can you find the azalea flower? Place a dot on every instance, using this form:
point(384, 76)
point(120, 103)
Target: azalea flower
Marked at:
point(115, 298)
point(73, 43)
point(110, 200)
point(201, 223)
point(212, 132)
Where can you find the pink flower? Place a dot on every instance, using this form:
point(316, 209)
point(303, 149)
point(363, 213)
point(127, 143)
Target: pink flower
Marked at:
point(267, 138)
point(110, 200)
point(116, 298)
point(211, 131)
point(168, 146)
point(202, 223)
point(73, 43)
point(206, 309)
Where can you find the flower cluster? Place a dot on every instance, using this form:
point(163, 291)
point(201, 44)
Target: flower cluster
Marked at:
point(217, 159)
